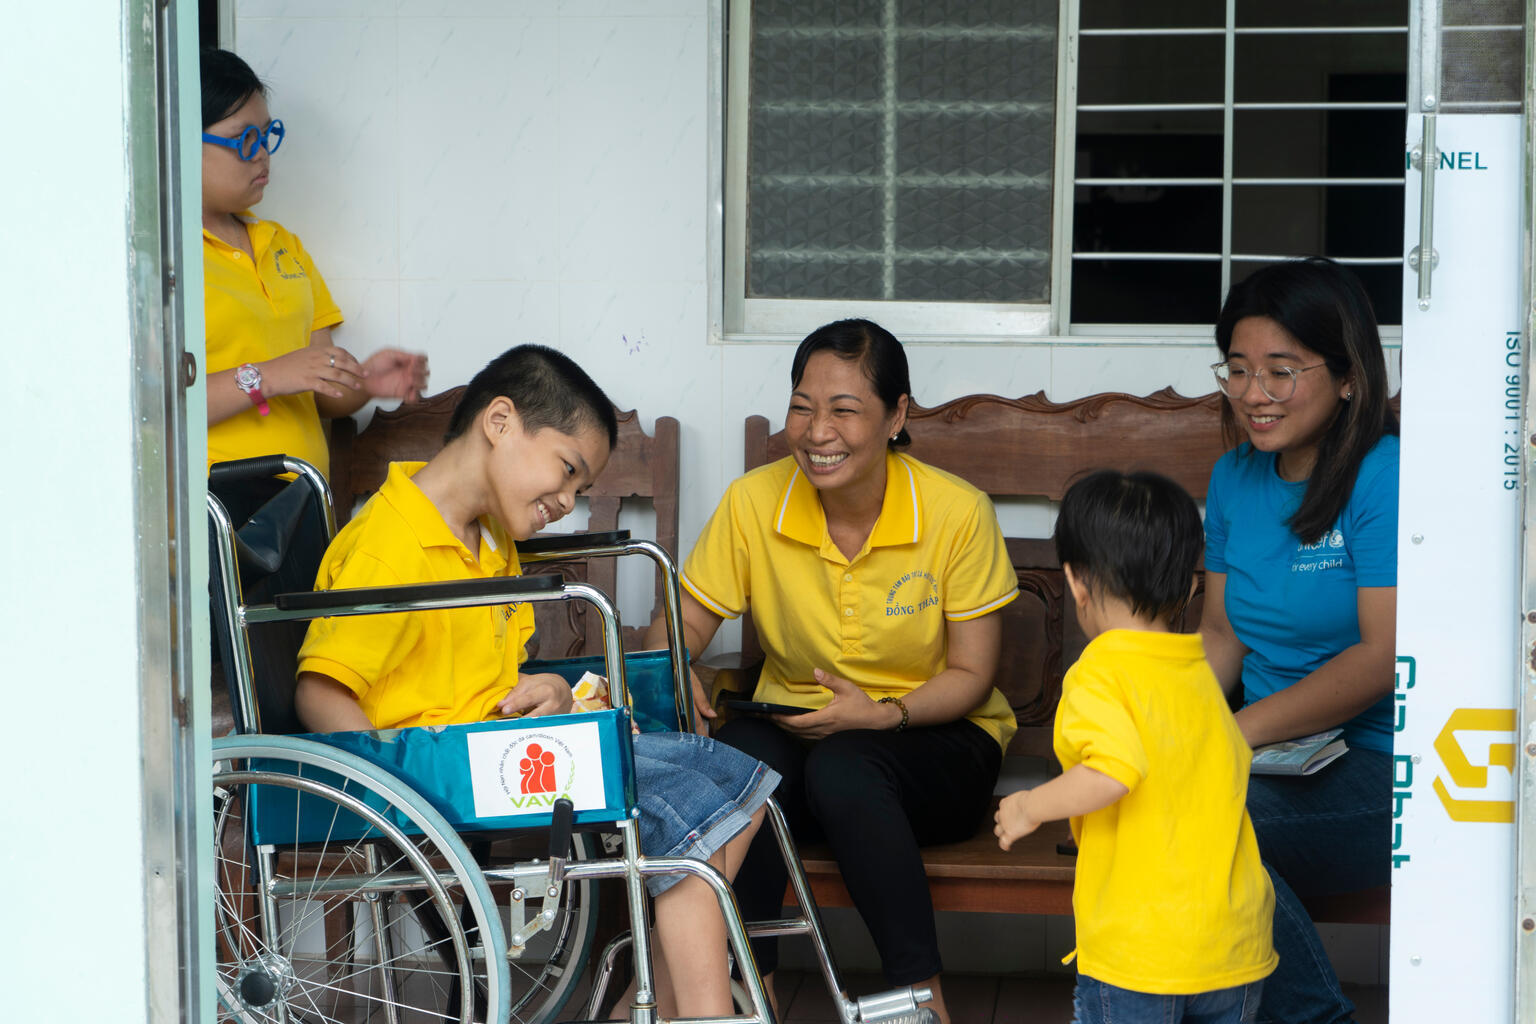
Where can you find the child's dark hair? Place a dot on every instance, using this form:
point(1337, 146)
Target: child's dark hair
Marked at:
point(228, 82)
point(1133, 536)
point(547, 388)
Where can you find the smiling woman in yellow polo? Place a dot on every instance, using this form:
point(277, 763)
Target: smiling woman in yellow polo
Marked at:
point(935, 556)
point(875, 583)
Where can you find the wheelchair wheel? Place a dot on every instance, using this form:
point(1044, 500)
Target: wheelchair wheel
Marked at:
point(329, 929)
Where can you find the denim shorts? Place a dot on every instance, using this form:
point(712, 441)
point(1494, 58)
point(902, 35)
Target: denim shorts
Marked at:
point(1095, 1002)
point(695, 796)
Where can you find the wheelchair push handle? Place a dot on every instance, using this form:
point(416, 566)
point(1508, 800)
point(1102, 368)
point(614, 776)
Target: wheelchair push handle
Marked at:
point(244, 469)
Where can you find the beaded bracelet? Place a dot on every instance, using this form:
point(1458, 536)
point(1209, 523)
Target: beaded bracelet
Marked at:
point(900, 704)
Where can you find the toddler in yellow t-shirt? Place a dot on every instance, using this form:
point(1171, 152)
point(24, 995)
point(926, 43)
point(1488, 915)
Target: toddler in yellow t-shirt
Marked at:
point(1172, 904)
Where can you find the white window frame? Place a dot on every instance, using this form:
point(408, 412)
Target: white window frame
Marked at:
point(735, 318)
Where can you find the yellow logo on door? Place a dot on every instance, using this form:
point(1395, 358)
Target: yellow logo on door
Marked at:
point(1466, 775)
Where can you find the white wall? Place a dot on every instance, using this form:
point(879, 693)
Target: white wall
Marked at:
point(68, 607)
point(471, 174)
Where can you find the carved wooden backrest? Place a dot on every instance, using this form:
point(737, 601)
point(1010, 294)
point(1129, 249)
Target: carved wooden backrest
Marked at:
point(1033, 447)
point(642, 466)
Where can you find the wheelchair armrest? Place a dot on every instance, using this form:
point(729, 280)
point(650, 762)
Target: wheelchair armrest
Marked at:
point(556, 543)
point(499, 590)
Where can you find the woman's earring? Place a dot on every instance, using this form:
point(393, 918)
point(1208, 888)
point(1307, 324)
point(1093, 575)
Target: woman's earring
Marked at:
point(1348, 395)
point(895, 435)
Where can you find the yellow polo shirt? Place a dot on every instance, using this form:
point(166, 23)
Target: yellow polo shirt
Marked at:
point(426, 667)
point(1170, 896)
point(255, 313)
point(935, 555)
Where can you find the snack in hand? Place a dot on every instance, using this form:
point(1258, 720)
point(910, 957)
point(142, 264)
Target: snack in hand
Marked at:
point(590, 692)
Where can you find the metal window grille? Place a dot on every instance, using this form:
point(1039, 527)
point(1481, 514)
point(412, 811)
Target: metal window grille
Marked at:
point(908, 153)
point(1232, 135)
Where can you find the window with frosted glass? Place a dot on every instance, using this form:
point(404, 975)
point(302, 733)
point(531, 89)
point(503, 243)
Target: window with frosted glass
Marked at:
point(901, 150)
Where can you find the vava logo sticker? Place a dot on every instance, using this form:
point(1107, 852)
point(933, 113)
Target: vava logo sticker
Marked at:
point(536, 770)
point(525, 769)
point(1467, 758)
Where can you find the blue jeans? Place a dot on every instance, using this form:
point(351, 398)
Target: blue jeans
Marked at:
point(1320, 834)
point(695, 795)
point(1094, 1002)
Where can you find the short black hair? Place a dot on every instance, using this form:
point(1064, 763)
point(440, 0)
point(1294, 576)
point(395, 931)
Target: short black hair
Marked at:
point(877, 352)
point(1134, 536)
point(548, 389)
point(228, 82)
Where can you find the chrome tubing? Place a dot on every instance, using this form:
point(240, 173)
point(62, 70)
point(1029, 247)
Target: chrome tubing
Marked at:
point(633, 869)
point(847, 1010)
point(613, 650)
point(321, 487)
point(643, 1010)
point(672, 607)
point(378, 912)
point(233, 611)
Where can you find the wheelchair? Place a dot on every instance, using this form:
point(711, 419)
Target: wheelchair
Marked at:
point(443, 873)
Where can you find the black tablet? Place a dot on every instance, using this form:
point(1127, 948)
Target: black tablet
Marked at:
point(760, 707)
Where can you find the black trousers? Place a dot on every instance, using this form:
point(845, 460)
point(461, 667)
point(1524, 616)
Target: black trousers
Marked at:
point(875, 797)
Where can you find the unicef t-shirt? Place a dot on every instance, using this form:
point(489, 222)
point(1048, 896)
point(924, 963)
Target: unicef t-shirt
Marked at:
point(1293, 605)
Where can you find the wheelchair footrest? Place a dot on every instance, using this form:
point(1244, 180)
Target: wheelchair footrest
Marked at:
point(921, 1015)
point(898, 1006)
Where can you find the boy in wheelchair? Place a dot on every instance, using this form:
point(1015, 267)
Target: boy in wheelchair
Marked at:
point(531, 432)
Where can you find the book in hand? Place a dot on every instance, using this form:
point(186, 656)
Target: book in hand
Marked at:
point(1302, 756)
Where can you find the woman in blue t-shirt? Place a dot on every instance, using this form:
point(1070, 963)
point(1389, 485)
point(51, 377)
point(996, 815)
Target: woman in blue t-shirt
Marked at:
point(1301, 591)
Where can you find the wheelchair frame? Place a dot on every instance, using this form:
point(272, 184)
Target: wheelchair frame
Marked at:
point(268, 978)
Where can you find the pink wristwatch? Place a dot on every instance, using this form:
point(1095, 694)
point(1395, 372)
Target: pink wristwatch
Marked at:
point(248, 379)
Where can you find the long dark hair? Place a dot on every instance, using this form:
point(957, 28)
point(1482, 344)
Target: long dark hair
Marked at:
point(878, 354)
point(1323, 306)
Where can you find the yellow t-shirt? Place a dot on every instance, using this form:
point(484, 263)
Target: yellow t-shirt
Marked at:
point(1170, 896)
point(425, 667)
point(255, 313)
point(935, 555)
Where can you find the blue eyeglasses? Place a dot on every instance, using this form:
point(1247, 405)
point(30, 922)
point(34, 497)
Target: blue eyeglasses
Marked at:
point(248, 141)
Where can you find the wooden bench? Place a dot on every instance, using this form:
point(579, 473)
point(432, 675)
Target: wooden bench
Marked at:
point(1028, 448)
point(1033, 448)
point(642, 466)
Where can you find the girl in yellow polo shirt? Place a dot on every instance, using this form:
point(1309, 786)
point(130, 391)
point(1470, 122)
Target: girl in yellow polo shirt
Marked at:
point(874, 582)
point(272, 369)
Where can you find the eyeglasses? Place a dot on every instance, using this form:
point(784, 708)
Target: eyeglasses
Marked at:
point(248, 141)
point(1278, 383)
